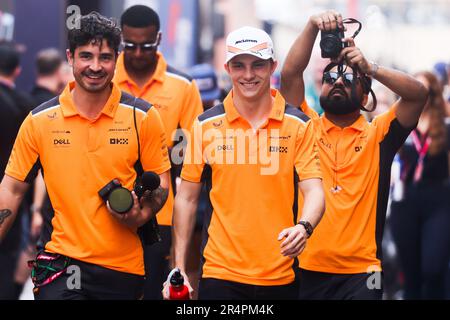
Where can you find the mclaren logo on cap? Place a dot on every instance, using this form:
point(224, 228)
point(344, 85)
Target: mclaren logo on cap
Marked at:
point(246, 40)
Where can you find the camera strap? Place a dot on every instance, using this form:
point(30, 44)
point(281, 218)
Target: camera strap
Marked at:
point(149, 232)
point(138, 165)
point(367, 89)
point(366, 85)
point(352, 21)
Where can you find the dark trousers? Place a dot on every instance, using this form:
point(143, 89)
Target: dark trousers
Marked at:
point(157, 264)
point(332, 286)
point(421, 230)
point(215, 289)
point(96, 283)
point(8, 288)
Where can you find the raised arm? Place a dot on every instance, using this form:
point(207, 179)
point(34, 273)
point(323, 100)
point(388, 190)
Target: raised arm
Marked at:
point(292, 84)
point(12, 192)
point(413, 94)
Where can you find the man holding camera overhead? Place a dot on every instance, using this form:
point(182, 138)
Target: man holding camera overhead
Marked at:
point(90, 134)
point(343, 256)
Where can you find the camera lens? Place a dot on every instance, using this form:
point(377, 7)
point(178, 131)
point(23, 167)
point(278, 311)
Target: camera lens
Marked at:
point(120, 200)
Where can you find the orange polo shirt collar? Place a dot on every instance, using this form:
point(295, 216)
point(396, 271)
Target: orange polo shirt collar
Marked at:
point(358, 125)
point(69, 109)
point(122, 76)
point(277, 112)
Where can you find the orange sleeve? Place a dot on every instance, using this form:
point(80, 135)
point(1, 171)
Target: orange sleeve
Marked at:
point(307, 161)
point(194, 163)
point(310, 112)
point(388, 129)
point(23, 161)
point(192, 106)
point(383, 120)
point(154, 153)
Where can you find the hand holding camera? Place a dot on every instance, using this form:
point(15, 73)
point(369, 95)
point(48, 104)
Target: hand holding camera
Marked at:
point(133, 218)
point(328, 21)
point(354, 57)
point(332, 37)
point(131, 208)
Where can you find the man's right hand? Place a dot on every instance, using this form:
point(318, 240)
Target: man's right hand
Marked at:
point(327, 21)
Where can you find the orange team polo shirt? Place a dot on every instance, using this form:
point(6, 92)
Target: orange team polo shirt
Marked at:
point(356, 165)
point(78, 157)
point(177, 99)
point(253, 175)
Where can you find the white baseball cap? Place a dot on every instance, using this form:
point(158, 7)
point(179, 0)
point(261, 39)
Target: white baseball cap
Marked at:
point(249, 40)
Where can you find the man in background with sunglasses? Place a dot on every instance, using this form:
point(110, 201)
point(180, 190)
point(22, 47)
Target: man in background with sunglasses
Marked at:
point(143, 72)
point(343, 256)
point(87, 250)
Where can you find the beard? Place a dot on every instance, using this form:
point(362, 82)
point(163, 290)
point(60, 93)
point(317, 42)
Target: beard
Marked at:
point(83, 81)
point(142, 65)
point(339, 104)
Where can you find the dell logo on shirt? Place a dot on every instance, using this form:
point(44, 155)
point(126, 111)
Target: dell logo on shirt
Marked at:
point(61, 141)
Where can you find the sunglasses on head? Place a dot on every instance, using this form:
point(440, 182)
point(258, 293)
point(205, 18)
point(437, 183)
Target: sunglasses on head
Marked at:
point(331, 77)
point(131, 46)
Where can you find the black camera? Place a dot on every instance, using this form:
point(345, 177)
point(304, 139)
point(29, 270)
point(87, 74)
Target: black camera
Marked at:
point(121, 201)
point(331, 43)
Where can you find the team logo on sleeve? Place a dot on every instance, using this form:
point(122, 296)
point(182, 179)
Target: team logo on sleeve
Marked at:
point(52, 116)
point(218, 124)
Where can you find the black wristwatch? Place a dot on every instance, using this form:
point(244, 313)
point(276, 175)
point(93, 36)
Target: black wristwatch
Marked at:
point(308, 227)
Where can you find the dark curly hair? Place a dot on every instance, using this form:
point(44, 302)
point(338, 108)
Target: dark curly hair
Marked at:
point(93, 28)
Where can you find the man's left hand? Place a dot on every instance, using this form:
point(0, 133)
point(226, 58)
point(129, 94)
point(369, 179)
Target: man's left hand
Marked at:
point(134, 218)
point(354, 57)
point(295, 241)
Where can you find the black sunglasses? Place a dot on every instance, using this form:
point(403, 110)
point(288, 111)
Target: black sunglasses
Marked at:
point(331, 77)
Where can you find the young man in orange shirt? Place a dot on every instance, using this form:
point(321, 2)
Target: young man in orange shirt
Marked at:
point(254, 153)
point(143, 72)
point(343, 257)
point(81, 140)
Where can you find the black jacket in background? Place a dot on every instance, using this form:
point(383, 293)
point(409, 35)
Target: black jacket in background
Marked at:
point(41, 95)
point(14, 107)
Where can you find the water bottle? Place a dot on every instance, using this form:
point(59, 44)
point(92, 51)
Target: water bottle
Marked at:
point(177, 289)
